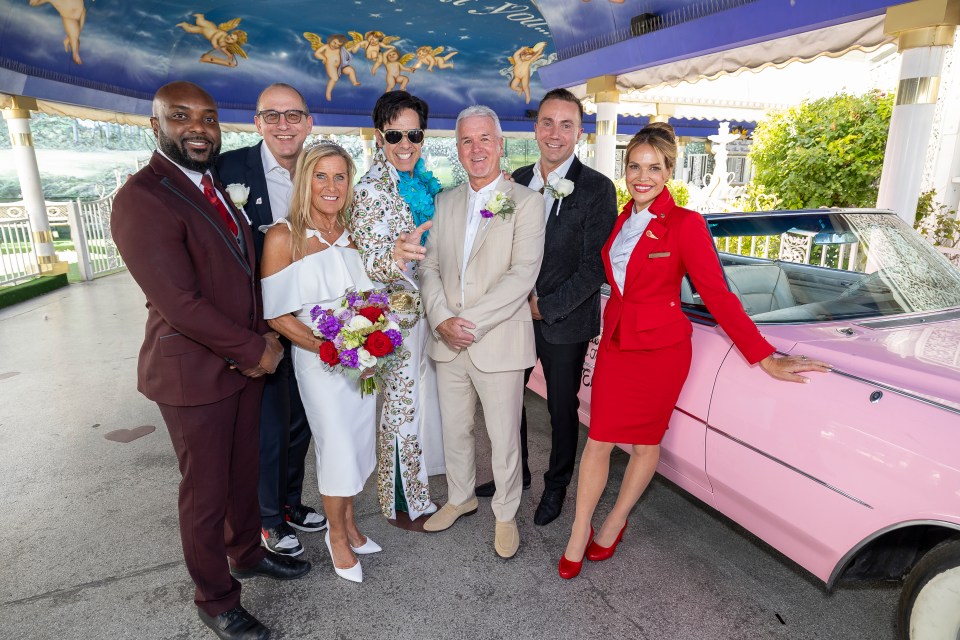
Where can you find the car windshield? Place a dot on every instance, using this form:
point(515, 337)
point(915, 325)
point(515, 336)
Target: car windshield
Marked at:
point(789, 267)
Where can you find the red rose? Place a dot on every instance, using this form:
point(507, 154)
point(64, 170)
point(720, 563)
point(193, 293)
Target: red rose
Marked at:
point(378, 344)
point(371, 313)
point(328, 353)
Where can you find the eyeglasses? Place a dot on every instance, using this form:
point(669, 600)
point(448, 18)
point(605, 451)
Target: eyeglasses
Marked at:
point(394, 136)
point(292, 116)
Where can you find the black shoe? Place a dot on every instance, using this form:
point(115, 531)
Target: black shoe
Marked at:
point(281, 540)
point(235, 624)
point(304, 518)
point(487, 489)
point(276, 567)
point(551, 503)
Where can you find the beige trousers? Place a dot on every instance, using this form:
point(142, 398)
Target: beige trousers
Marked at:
point(501, 394)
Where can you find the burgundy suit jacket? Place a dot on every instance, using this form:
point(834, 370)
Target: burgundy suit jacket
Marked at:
point(203, 300)
point(647, 312)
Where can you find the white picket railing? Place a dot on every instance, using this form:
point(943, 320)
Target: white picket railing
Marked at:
point(97, 254)
point(17, 259)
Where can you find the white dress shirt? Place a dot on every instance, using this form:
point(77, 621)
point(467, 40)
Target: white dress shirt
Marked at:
point(626, 241)
point(279, 184)
point(476, 201)
point(536, 183)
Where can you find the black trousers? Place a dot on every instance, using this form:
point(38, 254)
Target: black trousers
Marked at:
point(284, 441)
point(562, 369)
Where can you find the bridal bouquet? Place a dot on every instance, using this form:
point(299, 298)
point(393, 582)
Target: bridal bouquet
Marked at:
point(363, 335)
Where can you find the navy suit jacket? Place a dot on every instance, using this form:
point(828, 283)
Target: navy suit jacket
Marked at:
point(245, 166)
point(572, 270)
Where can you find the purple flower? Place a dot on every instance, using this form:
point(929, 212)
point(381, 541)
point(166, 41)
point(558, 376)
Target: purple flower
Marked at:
point(338, 342)
point(354, 299)
point(349, 358)
point(378, 298)
point(315, 313)
point(392, 317)
point(485, 213)
point(345, 315)
point(329, 326)
point(395, 337)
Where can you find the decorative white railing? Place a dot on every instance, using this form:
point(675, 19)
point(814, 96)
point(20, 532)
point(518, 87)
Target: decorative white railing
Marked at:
point(94, 250)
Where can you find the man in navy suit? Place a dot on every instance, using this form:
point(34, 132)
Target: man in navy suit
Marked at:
point(580, 206)
point(267, 168)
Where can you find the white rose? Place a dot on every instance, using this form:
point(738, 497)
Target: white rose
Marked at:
point(239, 193)
point(359, 323)
point(365, 359)
point(495, 203)
point(392, 325)
point(563, 187)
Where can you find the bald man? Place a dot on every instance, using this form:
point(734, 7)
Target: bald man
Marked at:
point(205, 352)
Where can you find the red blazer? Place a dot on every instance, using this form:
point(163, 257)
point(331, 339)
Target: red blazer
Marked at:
point(647, 312)
point(203, 300)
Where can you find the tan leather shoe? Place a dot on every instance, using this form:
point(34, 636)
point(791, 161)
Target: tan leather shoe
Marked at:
point(448, 514)
point(507, 539)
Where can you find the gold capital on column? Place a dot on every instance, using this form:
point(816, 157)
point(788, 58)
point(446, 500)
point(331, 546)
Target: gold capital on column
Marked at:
point(923, 23)
point(366, 133)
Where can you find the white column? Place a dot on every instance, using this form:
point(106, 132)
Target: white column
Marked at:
point(369, 147)
point(588, 152)
point(607, 99)
point(924, 32)
point(17, 115)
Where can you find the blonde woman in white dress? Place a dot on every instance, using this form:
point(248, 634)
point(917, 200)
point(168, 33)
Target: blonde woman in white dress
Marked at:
point(309, 259)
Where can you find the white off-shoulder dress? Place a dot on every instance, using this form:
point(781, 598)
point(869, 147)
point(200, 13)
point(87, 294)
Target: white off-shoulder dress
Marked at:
point(343, 423)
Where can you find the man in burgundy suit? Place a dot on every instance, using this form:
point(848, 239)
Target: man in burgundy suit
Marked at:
point(206, 349)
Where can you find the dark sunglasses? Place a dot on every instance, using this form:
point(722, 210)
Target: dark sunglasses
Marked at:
point(394, 136)
point(292, 116)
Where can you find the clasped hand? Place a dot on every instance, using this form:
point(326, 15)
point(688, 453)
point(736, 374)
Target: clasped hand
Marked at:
point(407, 246)
point(454, 332)
point(270, 360)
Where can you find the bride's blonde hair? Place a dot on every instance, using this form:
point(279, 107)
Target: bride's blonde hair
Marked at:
point(300, 207)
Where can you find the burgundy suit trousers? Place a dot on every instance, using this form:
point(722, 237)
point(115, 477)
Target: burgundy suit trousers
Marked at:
point(217, 446)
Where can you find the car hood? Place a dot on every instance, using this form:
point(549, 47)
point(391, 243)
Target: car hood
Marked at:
point(917, 354)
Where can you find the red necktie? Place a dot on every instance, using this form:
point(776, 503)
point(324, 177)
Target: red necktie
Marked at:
point(214, 199)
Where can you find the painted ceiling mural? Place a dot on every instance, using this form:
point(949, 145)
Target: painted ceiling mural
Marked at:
point(342, 54)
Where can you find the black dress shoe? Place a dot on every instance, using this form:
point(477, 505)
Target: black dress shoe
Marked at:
point(276, 567)
point(235, 624)
point(487, 489)
point(551, 503)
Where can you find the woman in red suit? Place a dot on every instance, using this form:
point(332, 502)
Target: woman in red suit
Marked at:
point(645, 349)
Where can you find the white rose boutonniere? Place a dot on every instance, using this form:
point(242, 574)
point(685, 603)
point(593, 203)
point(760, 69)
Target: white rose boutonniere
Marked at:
point(561, 188)
point(239, 194)
point(499, 204)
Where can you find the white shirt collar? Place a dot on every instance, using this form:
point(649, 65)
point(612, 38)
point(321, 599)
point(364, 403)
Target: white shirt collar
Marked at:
point(558, 173)
point(269, 162)
point(486, 189)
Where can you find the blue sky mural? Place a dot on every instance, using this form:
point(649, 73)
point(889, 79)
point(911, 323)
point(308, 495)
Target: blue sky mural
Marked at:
point(342, 54)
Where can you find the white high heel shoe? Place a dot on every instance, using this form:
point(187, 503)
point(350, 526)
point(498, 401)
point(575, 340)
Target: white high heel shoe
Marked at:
point(353, 574)
point(367, 547)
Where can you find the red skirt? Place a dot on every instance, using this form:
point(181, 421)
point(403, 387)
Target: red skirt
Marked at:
point(634, 392)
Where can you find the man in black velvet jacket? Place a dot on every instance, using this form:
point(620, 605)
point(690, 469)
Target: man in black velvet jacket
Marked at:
point(580, 210)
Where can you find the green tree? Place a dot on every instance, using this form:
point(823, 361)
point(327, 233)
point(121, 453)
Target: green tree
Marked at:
point(824, 153)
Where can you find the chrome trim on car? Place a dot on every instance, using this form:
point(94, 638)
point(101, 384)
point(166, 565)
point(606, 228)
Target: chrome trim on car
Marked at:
point(899, 392)
point(850, 555)
point(789, 466)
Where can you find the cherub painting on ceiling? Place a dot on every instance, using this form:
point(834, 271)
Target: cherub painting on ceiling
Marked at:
point(431, 57)
point(335, 58)
point(224, 39)
point(73, 14)
point(371, 42)
point(395, 64)
point(524, 62)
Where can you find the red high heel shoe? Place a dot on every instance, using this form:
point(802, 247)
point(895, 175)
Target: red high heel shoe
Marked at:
point(596, 553)
point(568, 568)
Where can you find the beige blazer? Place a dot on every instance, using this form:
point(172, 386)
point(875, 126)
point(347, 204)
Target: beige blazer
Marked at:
point(501, 272)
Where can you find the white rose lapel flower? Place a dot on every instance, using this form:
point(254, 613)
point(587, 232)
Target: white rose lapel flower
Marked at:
point(239, 194)
point(559, 189)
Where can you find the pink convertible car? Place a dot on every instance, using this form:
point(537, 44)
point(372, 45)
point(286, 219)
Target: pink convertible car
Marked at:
point(856, 475)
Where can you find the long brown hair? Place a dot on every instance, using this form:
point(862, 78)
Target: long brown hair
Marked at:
point(300, 202)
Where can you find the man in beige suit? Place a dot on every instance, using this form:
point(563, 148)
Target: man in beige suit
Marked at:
point(481, 264)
